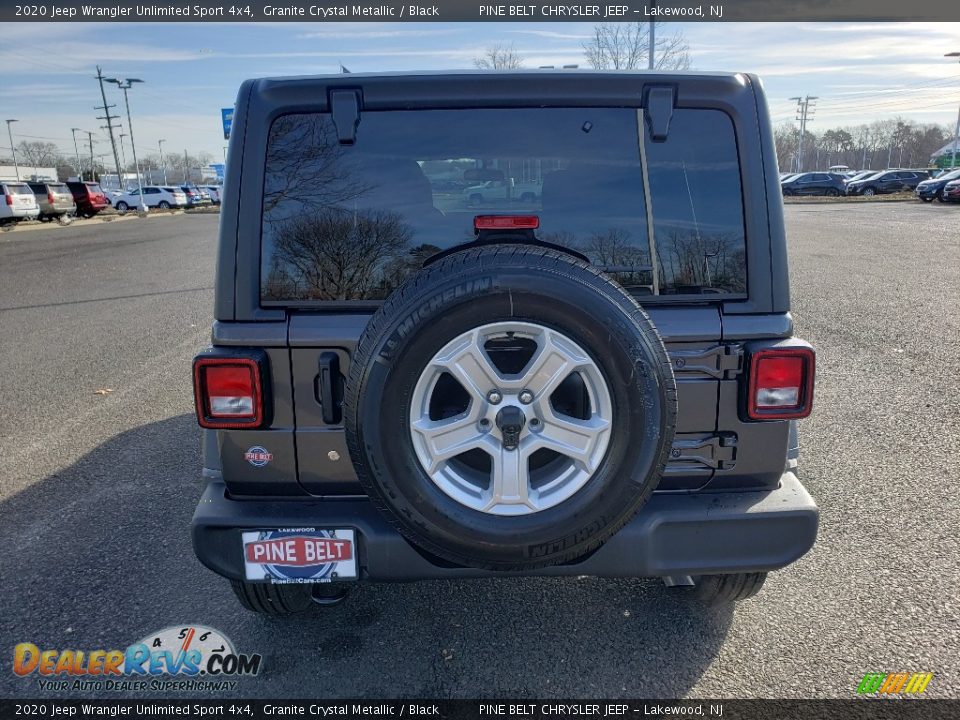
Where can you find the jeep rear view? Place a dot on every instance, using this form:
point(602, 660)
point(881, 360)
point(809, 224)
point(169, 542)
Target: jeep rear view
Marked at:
point(495, 324)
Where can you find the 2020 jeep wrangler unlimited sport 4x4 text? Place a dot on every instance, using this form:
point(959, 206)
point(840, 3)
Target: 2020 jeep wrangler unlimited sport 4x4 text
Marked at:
point(599, 378)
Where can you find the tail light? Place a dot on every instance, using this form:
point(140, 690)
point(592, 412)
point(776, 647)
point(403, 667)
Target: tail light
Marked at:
point(50, 198)
point(228, 392)
point(9, 199)
point(506, 222)
point(781, 383)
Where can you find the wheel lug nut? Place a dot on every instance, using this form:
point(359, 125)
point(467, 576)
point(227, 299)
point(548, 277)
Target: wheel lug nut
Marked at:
point(494, 397)
point(484, 423)
point(526, 397)
point(534, 422)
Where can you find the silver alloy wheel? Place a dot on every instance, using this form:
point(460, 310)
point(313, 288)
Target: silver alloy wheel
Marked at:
point(574, 446)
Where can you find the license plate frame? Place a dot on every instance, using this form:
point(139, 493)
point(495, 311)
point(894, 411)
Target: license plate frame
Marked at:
point(303, 555)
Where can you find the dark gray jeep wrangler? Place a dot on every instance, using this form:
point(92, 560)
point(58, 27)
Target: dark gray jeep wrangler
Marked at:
point(480, 325)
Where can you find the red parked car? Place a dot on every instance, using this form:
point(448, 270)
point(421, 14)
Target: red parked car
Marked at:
point(951, 191)
point(89, 197)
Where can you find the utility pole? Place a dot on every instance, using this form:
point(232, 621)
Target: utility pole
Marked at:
point(804, 113)
point(956, 142)
point(126, 85)
point(13, 150)
point(956, 133)
point(162, 164)
point(109, 118)
point(73, 131)
point(90, 139)
point(186, 168)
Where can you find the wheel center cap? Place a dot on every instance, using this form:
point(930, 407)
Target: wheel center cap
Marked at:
point(510, 420)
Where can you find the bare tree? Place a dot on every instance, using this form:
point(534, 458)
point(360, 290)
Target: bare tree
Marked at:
point(38, 154)
point(625, 46)
point(785, 140)
point(502, 56)
point(66, 168)
point(335, 255)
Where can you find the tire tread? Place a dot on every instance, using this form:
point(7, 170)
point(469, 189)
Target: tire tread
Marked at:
point(725, 589)
point(272, 600)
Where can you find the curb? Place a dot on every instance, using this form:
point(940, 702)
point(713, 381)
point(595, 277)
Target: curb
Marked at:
point(100, 219)
point(844, 201)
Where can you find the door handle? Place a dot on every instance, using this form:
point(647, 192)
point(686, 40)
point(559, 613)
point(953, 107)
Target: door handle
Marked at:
point(330, 388)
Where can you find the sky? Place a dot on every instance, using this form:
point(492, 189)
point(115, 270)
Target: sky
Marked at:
point(860, 71)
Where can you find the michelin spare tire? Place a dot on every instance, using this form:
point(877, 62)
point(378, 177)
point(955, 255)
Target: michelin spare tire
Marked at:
point(510, 408)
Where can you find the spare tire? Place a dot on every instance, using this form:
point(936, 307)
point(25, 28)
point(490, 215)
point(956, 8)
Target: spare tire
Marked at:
point(510, 408)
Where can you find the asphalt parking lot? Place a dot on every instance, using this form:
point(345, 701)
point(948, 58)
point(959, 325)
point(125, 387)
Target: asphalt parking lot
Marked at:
point(100, 476)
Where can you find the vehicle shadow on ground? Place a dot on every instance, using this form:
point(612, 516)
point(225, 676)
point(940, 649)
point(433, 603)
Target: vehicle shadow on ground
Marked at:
point(99, 555)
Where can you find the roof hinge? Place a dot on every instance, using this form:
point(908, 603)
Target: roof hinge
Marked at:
point(345, 111)
point(658, 106)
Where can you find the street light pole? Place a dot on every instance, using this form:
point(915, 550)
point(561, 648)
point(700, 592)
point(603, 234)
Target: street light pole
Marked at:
point(126, 85)
point(162, 164)
point(652, 39)
point(90, 140)
point(123, 156)
point(12, 148)
point(956, 133)
point(73, 131)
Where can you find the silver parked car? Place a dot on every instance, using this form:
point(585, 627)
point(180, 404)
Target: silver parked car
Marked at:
point(55, 200)
point(19, 204)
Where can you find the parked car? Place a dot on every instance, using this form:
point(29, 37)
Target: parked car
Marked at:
point(89, 197)
point(492, 191)
point(55, 200)
point(932, 189)
point(154, 196)
point(861, 175)
point(214, 191)
point(887, 181)
point(951, 191)
point(516, 391)
point(195, 196)
point(19, 204)
point(814, 183)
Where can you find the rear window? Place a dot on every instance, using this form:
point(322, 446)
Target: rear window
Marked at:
point(94, 188)
point(17, 189)
point(353, 222)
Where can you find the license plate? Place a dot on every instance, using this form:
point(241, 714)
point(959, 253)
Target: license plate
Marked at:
point(300, 555)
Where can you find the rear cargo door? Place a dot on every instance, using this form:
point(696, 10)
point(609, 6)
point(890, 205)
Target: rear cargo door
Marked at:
point(356, 199)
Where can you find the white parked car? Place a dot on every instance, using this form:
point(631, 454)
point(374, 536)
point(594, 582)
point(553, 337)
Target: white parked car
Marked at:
point(215, 191)
point(19, 203)
point(154, 196)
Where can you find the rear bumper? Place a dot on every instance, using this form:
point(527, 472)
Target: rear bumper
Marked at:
point(673, 535)
point(61, 209)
